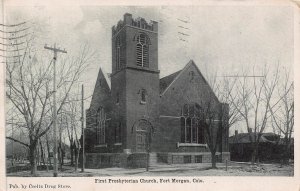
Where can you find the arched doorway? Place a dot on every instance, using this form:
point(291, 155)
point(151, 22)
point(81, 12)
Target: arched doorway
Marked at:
point(143, 130)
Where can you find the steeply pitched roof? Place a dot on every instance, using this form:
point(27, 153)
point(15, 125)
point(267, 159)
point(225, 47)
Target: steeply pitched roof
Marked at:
point(166, 81)
point(102, 81)
point(245, 138)
point(169, 80)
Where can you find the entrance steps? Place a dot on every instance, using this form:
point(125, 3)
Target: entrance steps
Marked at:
point(152, 159)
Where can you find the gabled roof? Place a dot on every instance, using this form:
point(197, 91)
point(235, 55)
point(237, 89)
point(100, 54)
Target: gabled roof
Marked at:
point(171, 79)
point(104, 80)
point(245, 138)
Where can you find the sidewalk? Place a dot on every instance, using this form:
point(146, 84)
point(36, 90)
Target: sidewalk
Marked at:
point(114, 171)
point(193, 169)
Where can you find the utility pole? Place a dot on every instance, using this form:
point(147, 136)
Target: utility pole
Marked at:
point(55, 51)
point(12, 143)
point(82, 127)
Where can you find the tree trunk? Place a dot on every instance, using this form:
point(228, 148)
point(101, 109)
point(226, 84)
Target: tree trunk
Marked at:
point(32, 159)
point(48, 150)
point(286, 155)
point(254, 156)
point(76, 158)
point(59, 157)
point(72, 154)
point(42, 153)
point(213, 160)
point(62, 157)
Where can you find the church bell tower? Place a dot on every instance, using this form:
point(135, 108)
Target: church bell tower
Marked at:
point(135, 82)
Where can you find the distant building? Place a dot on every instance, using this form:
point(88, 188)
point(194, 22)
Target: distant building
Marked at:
point(271, 147)
point(133, 106)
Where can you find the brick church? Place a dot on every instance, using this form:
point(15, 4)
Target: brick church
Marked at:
point(133, 111)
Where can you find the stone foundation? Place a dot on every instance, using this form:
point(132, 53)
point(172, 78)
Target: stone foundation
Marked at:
point(124, 160)
point(194, 157)
point(139, 160)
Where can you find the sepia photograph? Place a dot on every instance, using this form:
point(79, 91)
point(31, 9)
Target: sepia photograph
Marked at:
point(145, 91)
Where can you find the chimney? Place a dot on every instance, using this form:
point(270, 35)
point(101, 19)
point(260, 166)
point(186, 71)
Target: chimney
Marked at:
point(236, 132)
point(154, 26)
point(127, 19)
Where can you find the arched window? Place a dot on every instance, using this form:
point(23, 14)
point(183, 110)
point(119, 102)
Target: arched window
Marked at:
point(192, 130)
point(142, 50)
point(119, 54)
point(100, 129)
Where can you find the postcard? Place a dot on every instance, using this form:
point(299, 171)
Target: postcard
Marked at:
point(160, 95)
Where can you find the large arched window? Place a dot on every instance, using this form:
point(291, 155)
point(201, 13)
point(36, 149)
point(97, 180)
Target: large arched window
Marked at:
point(192, 130)
point(142, 50)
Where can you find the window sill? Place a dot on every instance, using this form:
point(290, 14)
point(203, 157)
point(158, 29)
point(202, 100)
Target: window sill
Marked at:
point(118, 144)
point(100, 146)
point(191, 145)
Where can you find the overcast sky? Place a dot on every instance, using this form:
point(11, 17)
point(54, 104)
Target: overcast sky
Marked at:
point(223, 38)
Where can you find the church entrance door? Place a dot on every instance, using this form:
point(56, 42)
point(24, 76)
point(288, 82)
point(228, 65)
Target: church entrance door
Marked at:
point(141, 141)
point(141, 133)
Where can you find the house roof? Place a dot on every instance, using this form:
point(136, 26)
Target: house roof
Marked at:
point(245, 138)
point(167, 80)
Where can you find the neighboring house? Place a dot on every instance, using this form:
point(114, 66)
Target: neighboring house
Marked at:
point(133, 106)
point(271, 147)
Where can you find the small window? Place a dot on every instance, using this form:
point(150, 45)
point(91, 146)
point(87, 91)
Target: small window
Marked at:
point(187, 159)
point(192, 75)
point(143, 96)
point(198, 159)
point(186, 110)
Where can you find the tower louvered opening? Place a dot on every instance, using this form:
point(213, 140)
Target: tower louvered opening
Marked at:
point(142, 50)
point(120, 57)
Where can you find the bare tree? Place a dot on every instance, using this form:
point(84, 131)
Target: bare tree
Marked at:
point(28, 90)
point(283, 113)
point(72, 117)
point(255, 95)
